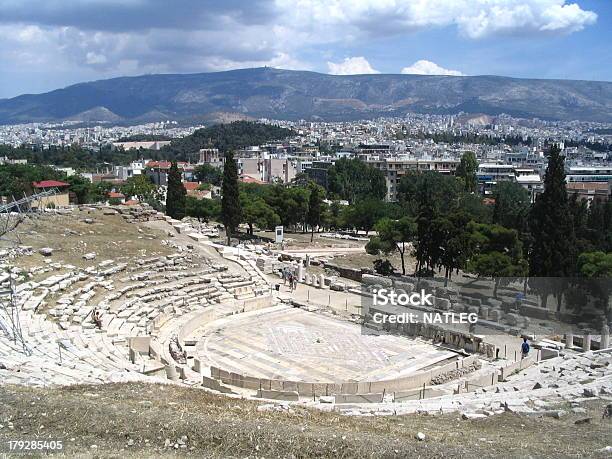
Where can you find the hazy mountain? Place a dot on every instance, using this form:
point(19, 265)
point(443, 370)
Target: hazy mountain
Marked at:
point(285, 94)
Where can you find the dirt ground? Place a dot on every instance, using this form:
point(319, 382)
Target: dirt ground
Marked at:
point(84, 231)
point(301, 241)
point(147, 420)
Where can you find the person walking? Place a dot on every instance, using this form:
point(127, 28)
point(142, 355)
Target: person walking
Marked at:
point(524, 349)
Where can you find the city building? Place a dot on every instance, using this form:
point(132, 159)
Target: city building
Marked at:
point(145, 145)
point(490, 173)
point(157, 171)
point(588, 173)
point(397, 167)
point(590, 190)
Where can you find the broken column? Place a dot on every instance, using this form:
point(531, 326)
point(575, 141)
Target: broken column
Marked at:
point(586, 342)
point(605, 337)
point(569, 339)
point(322, 281)
point(300, 271)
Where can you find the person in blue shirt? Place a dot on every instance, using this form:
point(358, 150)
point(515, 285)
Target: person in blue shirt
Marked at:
point(524, 348)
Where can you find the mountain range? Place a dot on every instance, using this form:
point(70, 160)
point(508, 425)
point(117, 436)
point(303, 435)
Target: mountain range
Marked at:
point(291, 95)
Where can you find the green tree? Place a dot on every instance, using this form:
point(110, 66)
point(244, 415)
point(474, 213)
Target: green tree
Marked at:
point(512, 205)
point(393, 235)
point(553, 249)
point(437, 191)
point(315, 207)
point(364, 214)
point(551, 224)
point(589, 295)
point(455, 242)
point(231, 213)
point(497, 253)
point(472, 204)
point(255, 211)
point(383, 267)
point(142, 187)
point(580, 213)
point(99, 191)
point(16, 179)
point(175, 199)
point(226, 137)
point(595, 264)
point(599, 224)
point(208, 174)
point(81, 187)
point(332, 215)
point(202, 209)
point(431, 195)
point(352, 179)
point(466, 171)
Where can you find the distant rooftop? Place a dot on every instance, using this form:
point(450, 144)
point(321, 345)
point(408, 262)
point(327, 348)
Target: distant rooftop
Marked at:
point(49, 184)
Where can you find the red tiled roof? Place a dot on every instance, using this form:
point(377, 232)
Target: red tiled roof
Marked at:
point(131, 202)
point(249, 179)
point(191, 186)
point(49, 184)
point(113, 194)
point(159, 164)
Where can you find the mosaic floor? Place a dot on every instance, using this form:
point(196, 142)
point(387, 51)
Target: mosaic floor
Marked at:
point(298, 345)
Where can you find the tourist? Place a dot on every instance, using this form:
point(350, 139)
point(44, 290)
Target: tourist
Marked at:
point(97, 319)
point(290, 279)
point(524, 349)
point(294, 283)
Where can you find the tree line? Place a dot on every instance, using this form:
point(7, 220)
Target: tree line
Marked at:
point(225, 137)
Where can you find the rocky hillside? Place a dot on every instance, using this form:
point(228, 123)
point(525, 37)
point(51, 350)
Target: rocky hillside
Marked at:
point(285, 94)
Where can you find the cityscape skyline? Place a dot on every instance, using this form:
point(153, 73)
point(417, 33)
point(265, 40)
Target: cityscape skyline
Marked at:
point(55, 44)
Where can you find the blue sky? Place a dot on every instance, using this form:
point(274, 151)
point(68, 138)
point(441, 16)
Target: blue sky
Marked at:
point(53, 43)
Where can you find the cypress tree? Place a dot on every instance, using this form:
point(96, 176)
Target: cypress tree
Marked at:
point(231, 213)
point(315, 208)
point(466, 170)
point(175, 198)
point(553, 250)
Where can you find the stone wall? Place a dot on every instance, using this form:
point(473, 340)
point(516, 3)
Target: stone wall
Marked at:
point(348, 273)
point(517, 366)
point(311, 389)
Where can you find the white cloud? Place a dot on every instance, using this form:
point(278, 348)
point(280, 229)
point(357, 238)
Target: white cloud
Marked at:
point(351, 66)
point(103, 38)
point(332, 19)
point(279, 61)
point(424, 67)
point(92, 58)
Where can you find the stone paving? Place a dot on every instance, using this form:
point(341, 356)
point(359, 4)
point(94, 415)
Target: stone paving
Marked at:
point(293, 344)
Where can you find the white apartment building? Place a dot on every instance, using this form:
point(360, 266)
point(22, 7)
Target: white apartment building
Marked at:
point(396, 167)
point(135, 168)
point(588, 174)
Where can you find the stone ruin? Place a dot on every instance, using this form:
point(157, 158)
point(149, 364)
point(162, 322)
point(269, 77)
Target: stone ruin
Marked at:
point(151, 307)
